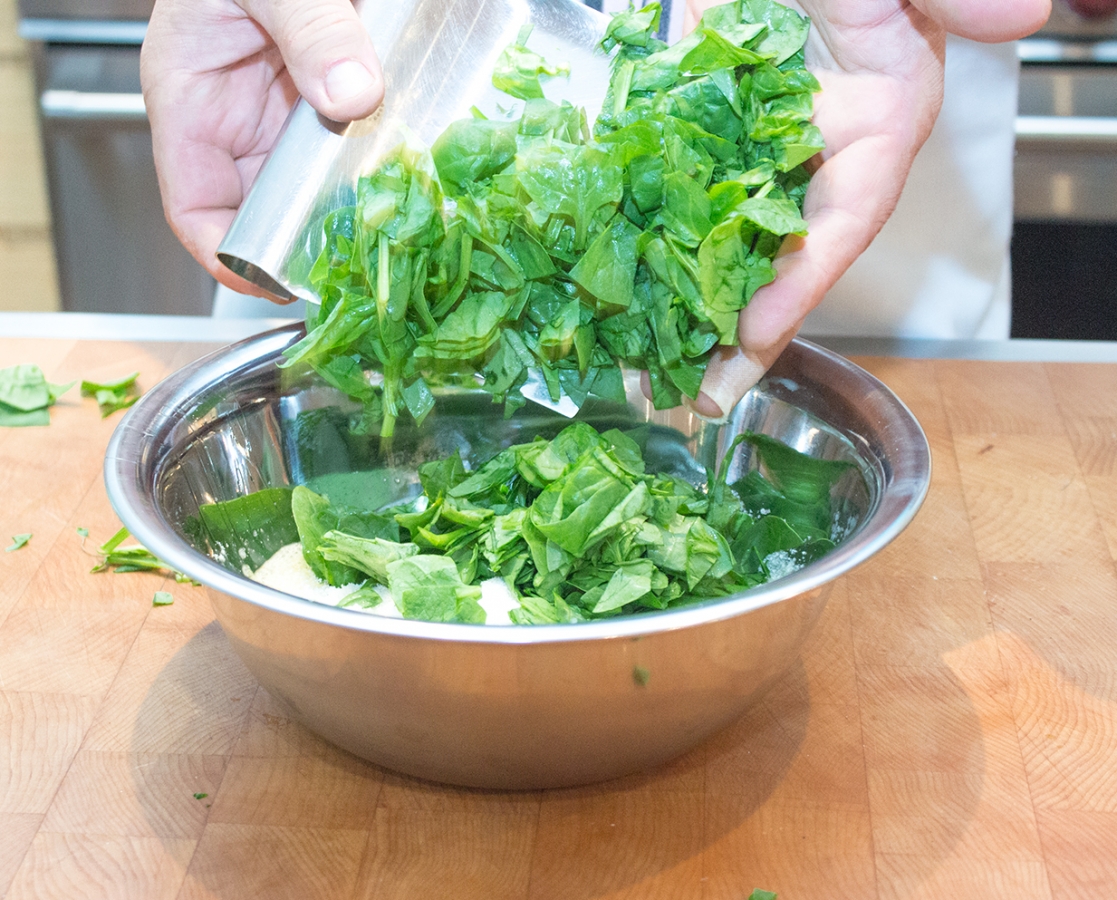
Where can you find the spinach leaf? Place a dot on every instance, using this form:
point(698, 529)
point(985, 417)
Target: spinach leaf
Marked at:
point(629, 583)
point(575, 525)
point(24, 388)
point(245, 531)
point(369, 555)
point(785, 32)
point(26, 395)
point(532, 248)
point(115, 556)
point(112, 396)
point(19, 541)
point(798, 477)
point(634, 27)
point(15, 418)
point(537, 611)
point(472, 150)
point(430, 588)
point(315, 517)
point(518, 70)
point(608, 269)
point(571, 181)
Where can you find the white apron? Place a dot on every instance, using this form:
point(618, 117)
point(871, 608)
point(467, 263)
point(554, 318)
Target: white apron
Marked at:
point(940, 266)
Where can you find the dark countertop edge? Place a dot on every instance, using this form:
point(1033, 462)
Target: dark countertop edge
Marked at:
point(125, 327)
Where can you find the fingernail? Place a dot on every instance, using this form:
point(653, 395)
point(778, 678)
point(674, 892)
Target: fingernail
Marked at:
point(705, 406)
point(348, 79)
point(735, 375)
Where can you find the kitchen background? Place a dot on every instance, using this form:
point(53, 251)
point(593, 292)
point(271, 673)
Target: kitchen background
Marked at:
point(27, 267)
point(73, 140)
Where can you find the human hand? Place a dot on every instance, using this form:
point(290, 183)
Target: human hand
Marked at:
point(880, 64)
point(219, 78)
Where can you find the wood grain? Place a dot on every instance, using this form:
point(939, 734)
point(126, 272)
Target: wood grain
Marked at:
point(949, 730)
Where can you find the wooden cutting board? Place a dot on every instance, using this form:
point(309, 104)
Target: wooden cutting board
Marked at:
point(950, 730)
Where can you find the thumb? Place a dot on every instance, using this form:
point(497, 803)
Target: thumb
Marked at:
point(328, 54)
point(991, 21)
point(730, 373)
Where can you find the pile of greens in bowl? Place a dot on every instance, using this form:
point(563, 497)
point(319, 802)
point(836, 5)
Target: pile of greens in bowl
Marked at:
point(575, 527)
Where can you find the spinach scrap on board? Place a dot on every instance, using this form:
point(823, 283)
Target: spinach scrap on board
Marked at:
point(535, 244)
point(112, 396)
point(19, 541)
point(26, 396)
point(116, 556)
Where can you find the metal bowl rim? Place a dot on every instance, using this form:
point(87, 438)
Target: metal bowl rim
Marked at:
point(138, 513)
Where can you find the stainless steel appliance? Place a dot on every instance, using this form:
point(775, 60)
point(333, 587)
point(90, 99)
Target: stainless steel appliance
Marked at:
point(114, 249)
point(116, 253)
point(1064, 253)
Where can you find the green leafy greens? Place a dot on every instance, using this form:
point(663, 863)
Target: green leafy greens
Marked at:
point(26, 396)
point(115, 556)
point(575, 526)
point(113, 395)
point(19, 541)
point(533, 246)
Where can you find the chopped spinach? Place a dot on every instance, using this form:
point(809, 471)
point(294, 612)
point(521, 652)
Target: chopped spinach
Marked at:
point(19, 541)
point(113, 556)
point(112, 396)
point(519, 69)
point(26, 396)
point(576, 526)
point(247, 530)
point(316, 518)
point(535, 246)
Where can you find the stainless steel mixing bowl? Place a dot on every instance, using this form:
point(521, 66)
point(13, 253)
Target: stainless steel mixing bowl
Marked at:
point(502, 707)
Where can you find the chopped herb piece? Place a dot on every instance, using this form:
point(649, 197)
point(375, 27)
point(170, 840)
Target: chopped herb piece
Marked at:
point(519, 69)
point(640, 675)
point(19, 541)
point(200, 795)
point(113, 395)
point(113, 557)
point(162, 598)
point(14, 418)
point(222, 529)
point(83, 532)
point(26, 395)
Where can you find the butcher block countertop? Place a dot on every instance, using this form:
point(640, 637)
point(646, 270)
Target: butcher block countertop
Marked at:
point(949, 732)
